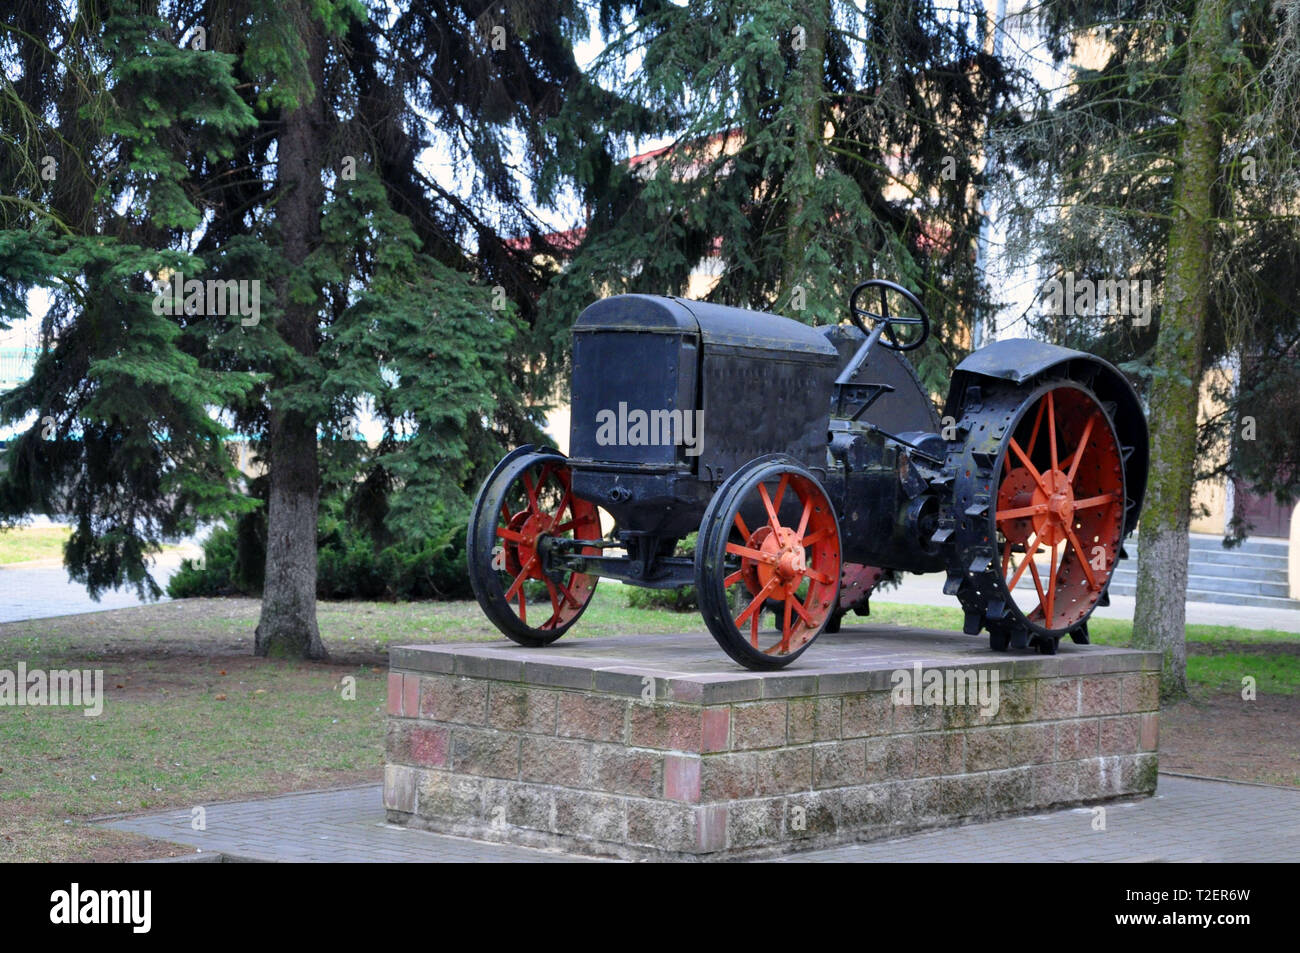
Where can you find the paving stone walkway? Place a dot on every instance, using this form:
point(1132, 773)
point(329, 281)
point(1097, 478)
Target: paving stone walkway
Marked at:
point(1188, 820)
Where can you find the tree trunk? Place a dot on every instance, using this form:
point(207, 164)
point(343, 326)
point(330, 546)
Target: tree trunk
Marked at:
point(809, 130)
point(1160, 617)
point(287, 627)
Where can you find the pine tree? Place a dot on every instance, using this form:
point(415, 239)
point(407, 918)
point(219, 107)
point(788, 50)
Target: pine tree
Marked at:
point(278, 143)
point(812, 147)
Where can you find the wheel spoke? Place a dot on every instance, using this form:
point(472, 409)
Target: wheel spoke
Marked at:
point(1083, 559)
point(511, 535)
point(523, 608)
point(756, 603)
point(1021, 512)
point(803, 519)
point(519, 580)
point(568, 594)
point(734, 578)
point(1006, 559)
point(785, 626)
point(1038, 583)
point(1051, 427)
point(1038, 421)
point(780, 490)
point(1027, 561)
point(772, 519)
point(744, 530)
point(1096, 500)
point(531, 489)
point(555, 604)
point(757, 555)
point(817, 575)
point(1033, 471)
point(814, 537)
point(1078, 453)
point(1051, 589)
point(801, 609)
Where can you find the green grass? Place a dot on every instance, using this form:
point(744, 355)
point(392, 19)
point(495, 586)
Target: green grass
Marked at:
point(26, 543)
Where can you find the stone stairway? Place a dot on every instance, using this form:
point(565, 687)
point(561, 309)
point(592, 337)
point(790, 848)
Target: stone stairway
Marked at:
point(1252, 574)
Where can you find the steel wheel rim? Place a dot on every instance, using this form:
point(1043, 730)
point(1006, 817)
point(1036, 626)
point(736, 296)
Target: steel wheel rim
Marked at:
point(1058, 513)
point(795, 562)
point(538, 502)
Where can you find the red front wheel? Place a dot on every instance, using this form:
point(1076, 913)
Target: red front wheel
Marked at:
point(528, 499)
point(769, 542)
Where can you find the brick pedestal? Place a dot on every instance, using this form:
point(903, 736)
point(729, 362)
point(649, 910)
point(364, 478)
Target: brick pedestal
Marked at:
point(659, 746)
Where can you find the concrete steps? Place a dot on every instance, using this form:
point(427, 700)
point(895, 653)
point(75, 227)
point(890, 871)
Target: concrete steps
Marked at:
point(1252, 574)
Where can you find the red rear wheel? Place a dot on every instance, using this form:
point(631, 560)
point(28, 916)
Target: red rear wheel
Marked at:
point(1059, 509)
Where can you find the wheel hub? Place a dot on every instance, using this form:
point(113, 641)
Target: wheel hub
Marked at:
point(787, 560)
point(1053, 524)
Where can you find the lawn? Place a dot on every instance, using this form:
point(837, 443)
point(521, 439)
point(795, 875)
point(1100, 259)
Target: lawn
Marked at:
point(192, 718)
point(22, 544)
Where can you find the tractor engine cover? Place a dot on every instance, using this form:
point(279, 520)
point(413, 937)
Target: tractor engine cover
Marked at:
point(740, 383)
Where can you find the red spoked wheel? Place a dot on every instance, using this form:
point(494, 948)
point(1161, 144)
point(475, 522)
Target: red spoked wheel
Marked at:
point(769, 541)
point(528, 500)
point(1059, 513)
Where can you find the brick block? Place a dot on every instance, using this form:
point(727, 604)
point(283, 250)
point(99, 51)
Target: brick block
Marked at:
point(394, 693)
point(508, 803)
point(1140, 692)
point(1076, 740)
point(987, 749)
point(667, 727)
point(1015, 700)
point(601, 817)
point(478, 751)
point(443, 794)
point(1056, 698)
point(622, 770)
point(664, 824)
point(400, 784)
point(815, 719)
point(429, 746)
point(462, 701)
point(867, 714)
point(1149, 731)
point(1031, 743)
point(716, 729)
point(758, 725)
point(682, 778)
point(1100, 694)
point(839, 763)
point(755, 823)
point(727, 777)
point(513, 708)
point(1056, 783)
point(556, 761)
point(596, 718)
point(1119, 735)
point(941, 753)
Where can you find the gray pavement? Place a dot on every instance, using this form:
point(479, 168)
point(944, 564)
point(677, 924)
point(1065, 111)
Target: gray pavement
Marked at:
point(42, 590)
point(1189, 820)
point(928, 591)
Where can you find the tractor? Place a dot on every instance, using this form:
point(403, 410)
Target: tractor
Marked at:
point(811, 464)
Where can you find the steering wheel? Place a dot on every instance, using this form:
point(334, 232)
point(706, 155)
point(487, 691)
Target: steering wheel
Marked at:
point(888, 338)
